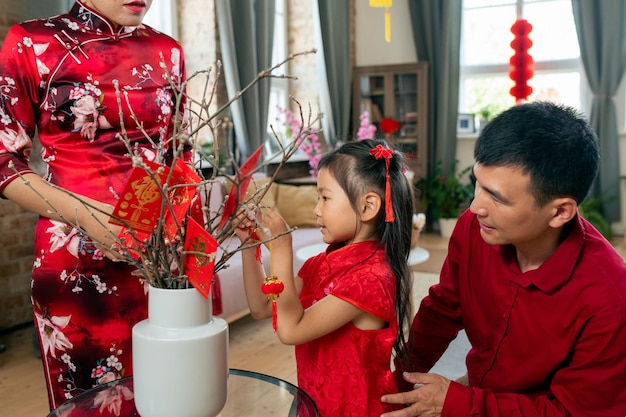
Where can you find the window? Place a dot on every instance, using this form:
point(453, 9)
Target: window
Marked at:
point(161, 17)
point(486, 50)
point(279, 87)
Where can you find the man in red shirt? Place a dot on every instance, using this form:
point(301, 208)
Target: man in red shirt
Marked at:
point(540, 293)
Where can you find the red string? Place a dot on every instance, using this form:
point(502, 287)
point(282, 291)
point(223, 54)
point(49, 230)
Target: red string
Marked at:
point(274, 317)
point(257, 249)
point(389, 216)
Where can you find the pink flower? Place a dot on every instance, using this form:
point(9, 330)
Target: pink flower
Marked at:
point(63, 235)
point(16, 141)
point(309, 145)
point(111, 399)
point(88, 117)
point(52, 338)
point(107, 377)
point(366, 129)
point(98, 371)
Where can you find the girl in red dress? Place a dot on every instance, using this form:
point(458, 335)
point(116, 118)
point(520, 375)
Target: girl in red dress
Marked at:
point(57, 78)
point(348, 307)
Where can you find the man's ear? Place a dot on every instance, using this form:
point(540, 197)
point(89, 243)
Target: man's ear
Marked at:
point(565, 210)
point(370, 206)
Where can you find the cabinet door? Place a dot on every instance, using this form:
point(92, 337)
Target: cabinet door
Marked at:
point(371, 97)
point(399, 92)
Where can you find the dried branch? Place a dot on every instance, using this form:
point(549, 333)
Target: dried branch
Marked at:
point(158, 258)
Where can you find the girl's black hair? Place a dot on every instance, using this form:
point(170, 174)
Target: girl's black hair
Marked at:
point(358, 172)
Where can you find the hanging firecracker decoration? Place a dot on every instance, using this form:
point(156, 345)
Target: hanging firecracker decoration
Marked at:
point(272, 287)
point(521, 61)
point(387, 5)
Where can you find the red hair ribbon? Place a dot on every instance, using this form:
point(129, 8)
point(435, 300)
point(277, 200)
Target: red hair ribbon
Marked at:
point(380, 152)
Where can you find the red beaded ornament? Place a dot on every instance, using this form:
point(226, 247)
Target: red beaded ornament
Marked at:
point(521, 62)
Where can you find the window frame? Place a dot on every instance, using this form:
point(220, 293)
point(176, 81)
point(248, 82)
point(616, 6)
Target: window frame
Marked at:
point(162, 17)
point(467, 72)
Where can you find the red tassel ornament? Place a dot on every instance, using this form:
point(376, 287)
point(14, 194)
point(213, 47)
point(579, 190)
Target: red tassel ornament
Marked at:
point(272, 287)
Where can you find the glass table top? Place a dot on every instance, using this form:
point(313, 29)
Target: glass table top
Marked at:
point(250, 394)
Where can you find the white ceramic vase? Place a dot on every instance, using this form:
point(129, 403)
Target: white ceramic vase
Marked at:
point(446, 226)
point(180, 356)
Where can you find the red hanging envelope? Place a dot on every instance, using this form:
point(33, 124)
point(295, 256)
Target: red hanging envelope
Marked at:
point(182, 185)
point(243, 178)
point(200, 253)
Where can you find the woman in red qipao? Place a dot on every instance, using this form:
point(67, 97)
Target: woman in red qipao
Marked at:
point(57, 78)
point(348, 307)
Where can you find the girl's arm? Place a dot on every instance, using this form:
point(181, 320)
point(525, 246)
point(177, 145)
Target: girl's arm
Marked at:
point(294, 324)
point(40, 197)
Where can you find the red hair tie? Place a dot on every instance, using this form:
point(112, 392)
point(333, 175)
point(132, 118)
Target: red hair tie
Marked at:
point(380, 152)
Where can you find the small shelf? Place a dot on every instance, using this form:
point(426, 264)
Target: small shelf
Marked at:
point(399, 92)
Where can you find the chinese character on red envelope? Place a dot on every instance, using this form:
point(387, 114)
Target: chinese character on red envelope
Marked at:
point(200, 252)
point(140, 203)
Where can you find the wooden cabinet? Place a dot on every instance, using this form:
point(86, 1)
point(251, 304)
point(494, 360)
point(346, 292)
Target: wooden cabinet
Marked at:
point(398, 92)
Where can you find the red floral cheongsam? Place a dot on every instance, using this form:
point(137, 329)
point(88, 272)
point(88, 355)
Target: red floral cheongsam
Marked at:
point(57, 77)
point(347, 371)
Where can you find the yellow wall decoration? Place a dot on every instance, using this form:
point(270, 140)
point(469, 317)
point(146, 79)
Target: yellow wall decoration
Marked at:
point(387, 4)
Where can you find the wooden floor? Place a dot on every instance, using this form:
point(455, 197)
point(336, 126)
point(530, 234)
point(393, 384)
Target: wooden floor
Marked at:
point(253, 346)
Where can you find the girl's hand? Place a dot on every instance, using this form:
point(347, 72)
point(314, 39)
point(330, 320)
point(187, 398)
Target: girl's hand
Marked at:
point(245, 222)
point(272, 224)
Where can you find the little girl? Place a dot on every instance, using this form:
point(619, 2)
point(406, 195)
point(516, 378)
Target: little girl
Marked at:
point(348, 307)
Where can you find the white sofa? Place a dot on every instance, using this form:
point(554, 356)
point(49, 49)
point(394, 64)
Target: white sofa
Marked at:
point(295, 204)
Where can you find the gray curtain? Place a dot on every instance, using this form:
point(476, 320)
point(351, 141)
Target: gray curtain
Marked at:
point(335, 29)
point(437, 34)
point(601, 29)
point(246, 30)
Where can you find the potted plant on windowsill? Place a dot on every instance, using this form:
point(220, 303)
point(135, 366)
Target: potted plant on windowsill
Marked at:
point(444, 196)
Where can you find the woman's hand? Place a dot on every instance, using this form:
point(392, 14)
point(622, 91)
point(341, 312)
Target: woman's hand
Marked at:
point(104, 234)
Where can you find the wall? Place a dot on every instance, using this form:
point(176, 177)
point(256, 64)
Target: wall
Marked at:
point(11, 12)
point(371, 47)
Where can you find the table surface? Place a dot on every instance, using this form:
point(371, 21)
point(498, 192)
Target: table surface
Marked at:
point(250, 394)
point(416, 256)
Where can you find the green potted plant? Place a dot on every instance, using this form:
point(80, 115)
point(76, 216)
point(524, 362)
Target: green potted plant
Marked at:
point(444, 196)
point(591, 209)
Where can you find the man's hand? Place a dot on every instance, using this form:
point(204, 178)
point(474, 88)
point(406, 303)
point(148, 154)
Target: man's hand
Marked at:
point(426, 400)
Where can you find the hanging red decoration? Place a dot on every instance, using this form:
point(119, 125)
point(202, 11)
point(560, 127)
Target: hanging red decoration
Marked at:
point(521, 61)
point(389, 126)
point(272, 287)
